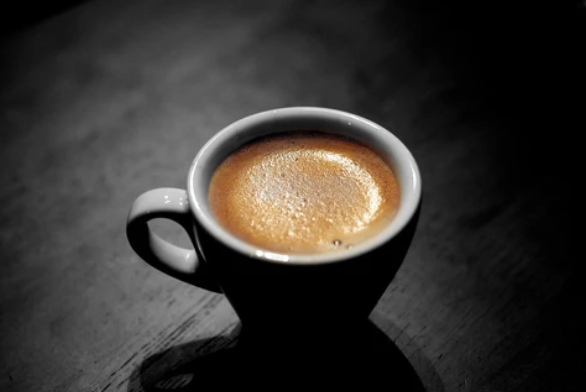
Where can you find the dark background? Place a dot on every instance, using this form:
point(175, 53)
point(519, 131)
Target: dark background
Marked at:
point(97, 99)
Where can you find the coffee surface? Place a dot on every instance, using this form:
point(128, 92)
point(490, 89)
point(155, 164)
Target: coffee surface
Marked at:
point(304, 193)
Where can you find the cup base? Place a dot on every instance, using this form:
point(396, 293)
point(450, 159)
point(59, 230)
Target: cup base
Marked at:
point(359, 353)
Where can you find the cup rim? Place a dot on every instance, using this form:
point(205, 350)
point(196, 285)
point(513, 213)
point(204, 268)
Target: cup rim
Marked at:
point(406, 211)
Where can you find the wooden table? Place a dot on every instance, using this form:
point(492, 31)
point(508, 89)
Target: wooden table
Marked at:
point(110, 99)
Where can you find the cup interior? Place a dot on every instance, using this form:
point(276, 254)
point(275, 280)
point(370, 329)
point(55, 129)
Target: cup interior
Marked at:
point(380, 140)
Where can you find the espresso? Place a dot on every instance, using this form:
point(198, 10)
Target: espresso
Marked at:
point(304, 193)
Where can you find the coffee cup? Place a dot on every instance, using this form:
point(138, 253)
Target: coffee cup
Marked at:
point(273, 291)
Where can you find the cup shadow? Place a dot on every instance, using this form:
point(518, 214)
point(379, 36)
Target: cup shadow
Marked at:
point(365, 357)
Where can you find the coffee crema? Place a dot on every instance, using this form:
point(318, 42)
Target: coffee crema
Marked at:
point(304, 192)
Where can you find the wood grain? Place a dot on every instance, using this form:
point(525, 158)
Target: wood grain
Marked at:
point(110, 99)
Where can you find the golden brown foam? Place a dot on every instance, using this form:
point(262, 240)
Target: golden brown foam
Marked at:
point(304, 193)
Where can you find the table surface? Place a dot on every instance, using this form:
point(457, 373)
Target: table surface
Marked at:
point(110, 99)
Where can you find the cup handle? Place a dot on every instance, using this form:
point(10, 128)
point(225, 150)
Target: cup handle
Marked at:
point(180, 263)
